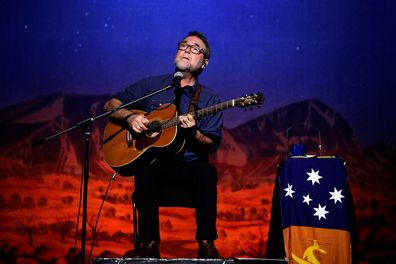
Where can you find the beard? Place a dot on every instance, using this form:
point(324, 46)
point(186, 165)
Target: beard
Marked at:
point(182, 66)
point(186, 67)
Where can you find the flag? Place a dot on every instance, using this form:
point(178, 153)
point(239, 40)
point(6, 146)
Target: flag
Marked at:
point(314, 198)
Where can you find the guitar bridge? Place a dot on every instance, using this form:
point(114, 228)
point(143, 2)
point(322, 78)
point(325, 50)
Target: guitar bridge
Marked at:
point(129, 139)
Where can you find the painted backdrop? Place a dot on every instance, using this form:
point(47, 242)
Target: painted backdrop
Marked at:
point(323, 63)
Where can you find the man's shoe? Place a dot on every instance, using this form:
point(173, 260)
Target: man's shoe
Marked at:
point(207, 249)
point(150, 250)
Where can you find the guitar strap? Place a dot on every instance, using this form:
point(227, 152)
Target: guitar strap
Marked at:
point(194, 99)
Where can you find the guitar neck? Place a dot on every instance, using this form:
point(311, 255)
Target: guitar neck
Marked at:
point(213, 109)
point(202, 112)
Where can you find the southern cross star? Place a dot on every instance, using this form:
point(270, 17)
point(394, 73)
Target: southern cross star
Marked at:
point(314, 176)
point(307, 199)
point(336, 196)
point(289, 190)
point(321, 212)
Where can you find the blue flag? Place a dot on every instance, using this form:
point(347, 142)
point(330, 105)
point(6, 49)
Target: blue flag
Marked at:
point(315, 209)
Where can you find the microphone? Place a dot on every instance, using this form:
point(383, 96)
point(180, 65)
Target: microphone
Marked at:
point(177, 78)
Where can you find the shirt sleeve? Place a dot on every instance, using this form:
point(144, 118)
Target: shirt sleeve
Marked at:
point(212, 125)
point(133, 92)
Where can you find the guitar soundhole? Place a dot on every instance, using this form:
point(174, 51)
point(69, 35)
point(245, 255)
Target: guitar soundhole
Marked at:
point(154, 129)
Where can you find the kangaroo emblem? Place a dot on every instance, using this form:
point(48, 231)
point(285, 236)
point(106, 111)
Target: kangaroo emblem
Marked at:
point(309, 257)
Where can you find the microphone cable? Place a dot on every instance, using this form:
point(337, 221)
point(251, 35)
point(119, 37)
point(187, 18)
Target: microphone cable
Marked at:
point(97, 218)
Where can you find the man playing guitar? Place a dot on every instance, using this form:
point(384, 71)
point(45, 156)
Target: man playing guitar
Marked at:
point(190, 167)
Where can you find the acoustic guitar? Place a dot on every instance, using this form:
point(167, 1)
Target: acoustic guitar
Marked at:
point(124, 150)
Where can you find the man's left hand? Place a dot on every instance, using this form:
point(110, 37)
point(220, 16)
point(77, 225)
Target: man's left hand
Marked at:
point(187, 121)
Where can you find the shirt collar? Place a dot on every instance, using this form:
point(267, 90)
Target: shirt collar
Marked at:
point(190, 89)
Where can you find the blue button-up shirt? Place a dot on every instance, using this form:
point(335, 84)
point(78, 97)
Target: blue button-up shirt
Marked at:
point(210, 125)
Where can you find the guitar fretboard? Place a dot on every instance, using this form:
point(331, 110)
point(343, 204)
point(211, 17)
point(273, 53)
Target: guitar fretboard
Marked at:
point(201, 113)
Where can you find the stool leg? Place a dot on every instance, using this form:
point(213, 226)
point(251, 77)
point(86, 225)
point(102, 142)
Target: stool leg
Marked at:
point(136, 245)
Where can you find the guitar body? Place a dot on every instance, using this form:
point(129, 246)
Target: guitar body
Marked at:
point(125, 150)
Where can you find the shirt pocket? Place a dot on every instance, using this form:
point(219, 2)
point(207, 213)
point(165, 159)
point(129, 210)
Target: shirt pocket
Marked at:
point(155, 104)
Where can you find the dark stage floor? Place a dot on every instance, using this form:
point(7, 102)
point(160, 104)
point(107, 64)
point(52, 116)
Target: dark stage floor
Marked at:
point(186, 261)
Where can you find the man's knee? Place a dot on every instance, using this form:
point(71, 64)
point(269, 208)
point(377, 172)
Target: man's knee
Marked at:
point(205, 173)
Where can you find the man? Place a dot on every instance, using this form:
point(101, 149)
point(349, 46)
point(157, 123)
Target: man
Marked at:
point(190, 168)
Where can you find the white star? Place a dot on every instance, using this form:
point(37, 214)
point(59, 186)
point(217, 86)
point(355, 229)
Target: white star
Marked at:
point(307, 199)
point(336, 196)
point(314, 176)
point(321, 212)
point(289, 191)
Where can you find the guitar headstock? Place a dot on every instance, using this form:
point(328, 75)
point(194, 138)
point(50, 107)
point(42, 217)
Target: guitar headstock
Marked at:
point(250, 100)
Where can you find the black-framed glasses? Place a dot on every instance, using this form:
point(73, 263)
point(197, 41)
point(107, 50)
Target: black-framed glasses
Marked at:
point(193, 48)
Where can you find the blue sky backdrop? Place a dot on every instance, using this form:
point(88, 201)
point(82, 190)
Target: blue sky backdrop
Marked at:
point(341, 52)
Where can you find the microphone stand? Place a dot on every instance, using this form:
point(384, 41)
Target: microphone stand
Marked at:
point(86, 125)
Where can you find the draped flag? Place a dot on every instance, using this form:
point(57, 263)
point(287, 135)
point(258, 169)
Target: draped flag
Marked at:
point(314, 199)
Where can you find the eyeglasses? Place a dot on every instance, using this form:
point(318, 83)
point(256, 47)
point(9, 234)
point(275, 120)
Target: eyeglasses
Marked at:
point(195, 49)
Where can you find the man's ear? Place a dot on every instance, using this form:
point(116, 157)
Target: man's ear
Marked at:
point(205, 63)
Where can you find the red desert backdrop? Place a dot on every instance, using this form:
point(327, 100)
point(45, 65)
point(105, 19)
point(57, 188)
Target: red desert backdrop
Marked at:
point(40, 186)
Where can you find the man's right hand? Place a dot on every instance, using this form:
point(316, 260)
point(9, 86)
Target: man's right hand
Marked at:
point(138, 122)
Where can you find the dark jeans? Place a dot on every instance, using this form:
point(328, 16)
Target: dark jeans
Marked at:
point(199, 177)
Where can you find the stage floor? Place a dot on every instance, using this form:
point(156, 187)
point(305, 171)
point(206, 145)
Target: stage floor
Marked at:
point(186, 261)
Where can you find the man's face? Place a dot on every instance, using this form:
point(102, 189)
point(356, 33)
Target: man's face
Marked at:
point(186, 60)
